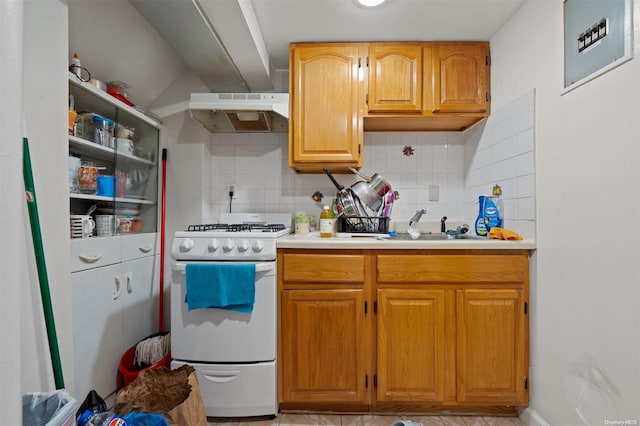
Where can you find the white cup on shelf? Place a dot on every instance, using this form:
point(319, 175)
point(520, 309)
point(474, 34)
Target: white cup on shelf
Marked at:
point(107, 224)
point(82, 226)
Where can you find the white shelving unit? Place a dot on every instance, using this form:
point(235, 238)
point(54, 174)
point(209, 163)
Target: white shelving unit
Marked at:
point(114, 279)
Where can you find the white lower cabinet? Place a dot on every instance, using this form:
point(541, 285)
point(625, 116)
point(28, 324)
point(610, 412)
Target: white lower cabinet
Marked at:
point(113, 306)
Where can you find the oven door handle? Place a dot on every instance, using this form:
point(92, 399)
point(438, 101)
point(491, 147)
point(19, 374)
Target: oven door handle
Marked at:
point(260, 267)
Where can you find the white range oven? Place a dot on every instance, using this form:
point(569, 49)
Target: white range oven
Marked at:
point(233, 353)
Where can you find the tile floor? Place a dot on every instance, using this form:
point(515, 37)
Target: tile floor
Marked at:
point(365, 420)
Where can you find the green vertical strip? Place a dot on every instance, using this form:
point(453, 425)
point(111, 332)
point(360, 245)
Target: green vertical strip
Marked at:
point(36, 235)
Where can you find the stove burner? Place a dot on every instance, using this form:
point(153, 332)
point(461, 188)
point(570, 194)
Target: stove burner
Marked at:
point(237, 227)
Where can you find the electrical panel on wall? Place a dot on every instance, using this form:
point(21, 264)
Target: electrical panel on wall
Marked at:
point(597, 38)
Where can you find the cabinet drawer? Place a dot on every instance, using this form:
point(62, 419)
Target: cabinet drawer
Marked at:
point(88, 253)
point(452, 268)
point(138, 245)
point(323, 268)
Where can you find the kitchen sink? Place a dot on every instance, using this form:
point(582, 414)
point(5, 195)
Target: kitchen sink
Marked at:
point(437, 237)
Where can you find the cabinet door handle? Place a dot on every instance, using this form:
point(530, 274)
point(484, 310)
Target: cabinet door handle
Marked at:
point(90, 259)
point(116, 288)
point(129, 280)
point(145, 249)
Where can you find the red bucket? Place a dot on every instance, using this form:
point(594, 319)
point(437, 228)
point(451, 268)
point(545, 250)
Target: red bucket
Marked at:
point(130, 372)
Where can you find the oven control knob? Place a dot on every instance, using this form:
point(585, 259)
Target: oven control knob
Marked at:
point(228, 245)
point(213, 245)
point(258, 246)
point(186, 245)
point(243, 246)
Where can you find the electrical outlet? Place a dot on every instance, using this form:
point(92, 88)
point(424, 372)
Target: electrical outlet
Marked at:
point(434, 192)
point(231, 190)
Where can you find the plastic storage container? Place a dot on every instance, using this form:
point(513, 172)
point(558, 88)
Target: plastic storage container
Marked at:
point(103, 131)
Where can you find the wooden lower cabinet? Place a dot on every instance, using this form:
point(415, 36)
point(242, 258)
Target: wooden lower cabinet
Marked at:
point(492, 358)
point(419, 331)
point(323, 346)
point(412, 329)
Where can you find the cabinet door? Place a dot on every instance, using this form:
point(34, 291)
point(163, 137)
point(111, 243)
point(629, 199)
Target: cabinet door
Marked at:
point(97, 305)
point(492, 346)
point(140, 310)
point(395, 78)
point(411, 345)
point(323, 346)
point(325, 125)
point(460, 78)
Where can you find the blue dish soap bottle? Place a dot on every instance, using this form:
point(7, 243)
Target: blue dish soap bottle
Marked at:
point(490, 212)
point(481, 229)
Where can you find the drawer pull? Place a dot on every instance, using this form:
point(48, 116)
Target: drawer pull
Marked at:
point(90, 259)
point(145, 249)
point(220, 376)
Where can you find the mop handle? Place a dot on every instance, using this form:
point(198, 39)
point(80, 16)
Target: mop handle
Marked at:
point(36, 235)
point(162, 226)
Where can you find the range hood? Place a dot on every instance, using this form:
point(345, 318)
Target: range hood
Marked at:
point(243, 112)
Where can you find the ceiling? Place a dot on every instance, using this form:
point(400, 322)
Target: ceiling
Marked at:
point(242, 45)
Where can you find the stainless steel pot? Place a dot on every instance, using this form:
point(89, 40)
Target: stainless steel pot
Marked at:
point(367, 195)
point(377, 183)
point(349, 204)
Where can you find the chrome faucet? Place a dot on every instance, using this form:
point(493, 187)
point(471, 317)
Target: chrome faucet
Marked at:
point(416, 217)
point(413, 232)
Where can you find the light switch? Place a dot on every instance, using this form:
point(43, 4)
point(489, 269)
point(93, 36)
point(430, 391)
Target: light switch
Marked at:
point(434, 192)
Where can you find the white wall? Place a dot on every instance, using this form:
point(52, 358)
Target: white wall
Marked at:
point(12, 239)
point(585, 327)
point(45, 91)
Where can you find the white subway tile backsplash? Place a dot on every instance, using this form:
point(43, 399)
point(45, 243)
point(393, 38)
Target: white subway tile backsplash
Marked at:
point(525, 186)
point(500, 149)
point(503, 153)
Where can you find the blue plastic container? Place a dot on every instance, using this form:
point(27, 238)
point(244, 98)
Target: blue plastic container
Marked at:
point(107, 185)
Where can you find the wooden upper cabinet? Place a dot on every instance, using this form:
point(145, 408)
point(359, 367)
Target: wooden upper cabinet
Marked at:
point(395, 77)
point(327, 100)
point(461, 78)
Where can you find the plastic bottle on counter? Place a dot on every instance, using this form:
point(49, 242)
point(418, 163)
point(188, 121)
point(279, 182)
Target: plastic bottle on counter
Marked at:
point(334, 213)
point(89, 418)
point(326, 222)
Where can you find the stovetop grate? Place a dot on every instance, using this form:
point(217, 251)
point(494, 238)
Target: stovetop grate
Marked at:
point(237, 227)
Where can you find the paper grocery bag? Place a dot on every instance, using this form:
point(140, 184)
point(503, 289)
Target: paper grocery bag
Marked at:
point(175, 394)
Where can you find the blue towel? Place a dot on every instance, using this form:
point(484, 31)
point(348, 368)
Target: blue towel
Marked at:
point(225, 286)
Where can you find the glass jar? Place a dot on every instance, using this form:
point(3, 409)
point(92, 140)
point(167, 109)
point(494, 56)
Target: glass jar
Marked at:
point(87, 178)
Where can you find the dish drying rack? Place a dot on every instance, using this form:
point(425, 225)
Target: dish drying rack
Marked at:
point(363, 224)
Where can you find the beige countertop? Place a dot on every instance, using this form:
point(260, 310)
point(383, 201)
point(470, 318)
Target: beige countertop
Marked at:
point(314, 241)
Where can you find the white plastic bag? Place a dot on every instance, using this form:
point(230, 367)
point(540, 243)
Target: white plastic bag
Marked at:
point(55, 408)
